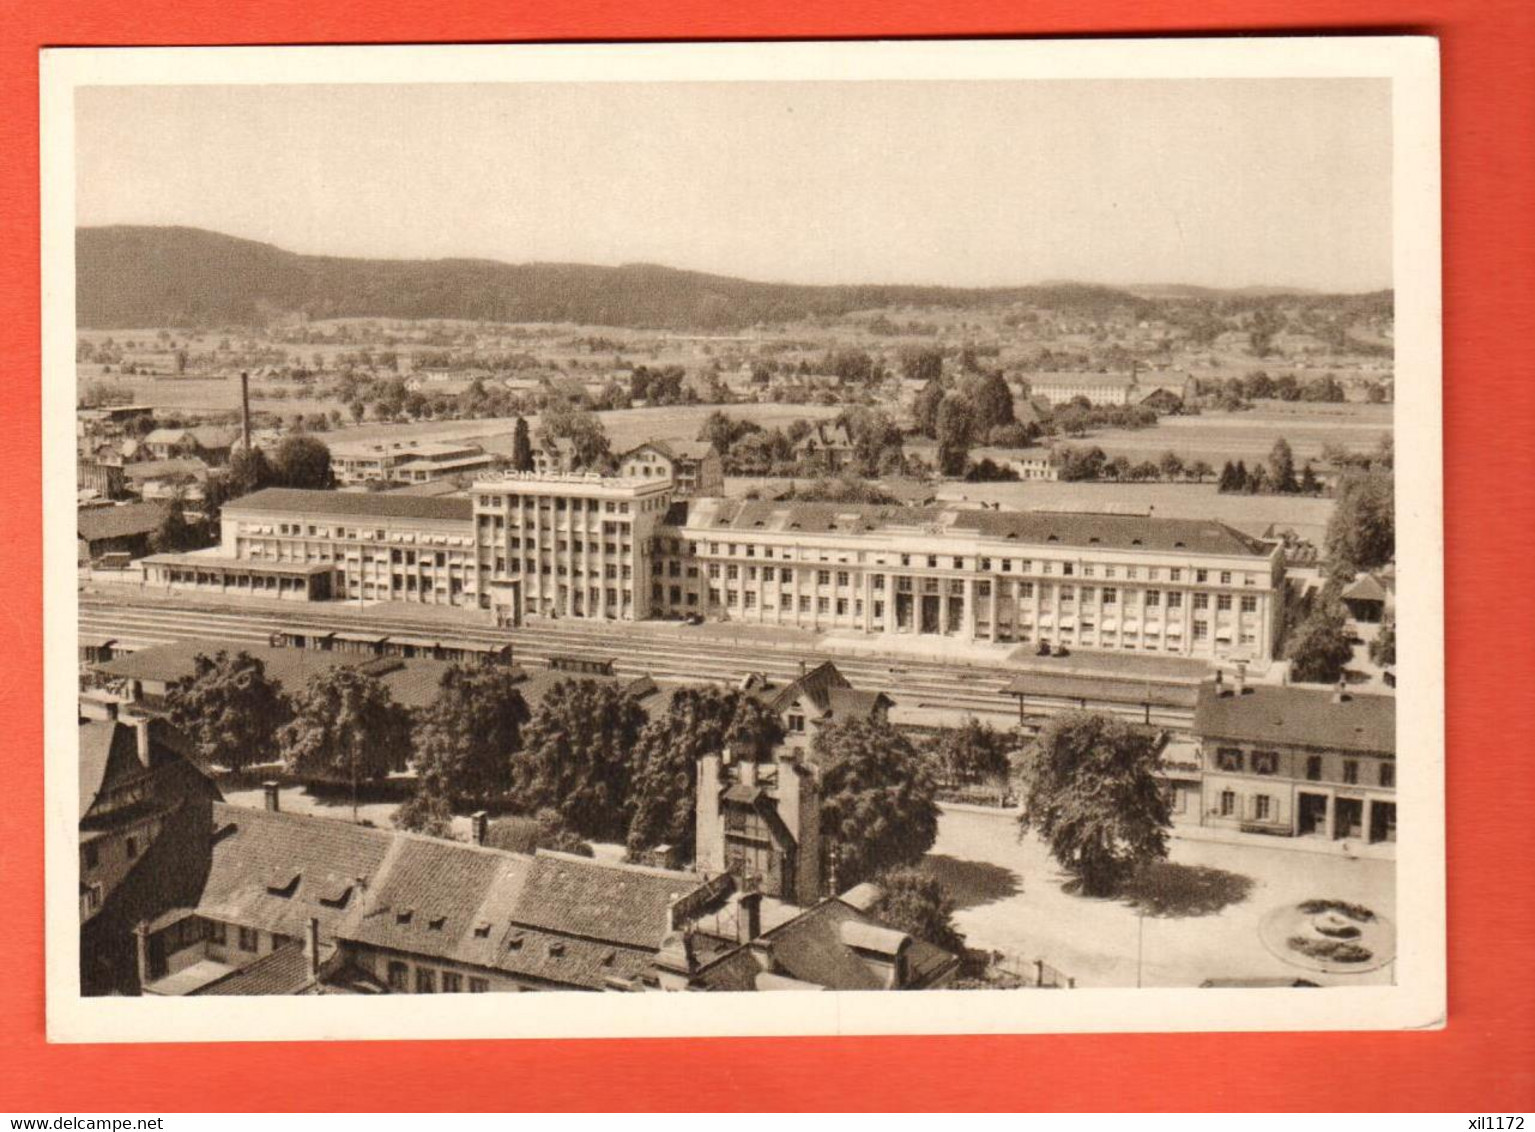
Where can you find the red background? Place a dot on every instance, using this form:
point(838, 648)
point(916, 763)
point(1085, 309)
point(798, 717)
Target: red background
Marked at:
point(1483, 1062)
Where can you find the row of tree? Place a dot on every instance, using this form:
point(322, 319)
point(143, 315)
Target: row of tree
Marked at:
point(1276, 477)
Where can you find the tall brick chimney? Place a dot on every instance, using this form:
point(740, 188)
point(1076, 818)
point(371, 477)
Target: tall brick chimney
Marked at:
point(245, 408)
point(479, 822)
point(273, 796)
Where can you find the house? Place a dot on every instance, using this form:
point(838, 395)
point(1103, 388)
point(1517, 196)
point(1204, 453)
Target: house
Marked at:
point(817, 698)
point(161, 479)
point(207, 442)
point(554, 456)
point(144, 823)
point(1039, 464)
point(1367, 599)
point(1297, 762)
point(833, 945)
point(757, 818)
point(292, 904)
point(123, 529)
point(827, 445)
point(407, 461)
point(694, 466)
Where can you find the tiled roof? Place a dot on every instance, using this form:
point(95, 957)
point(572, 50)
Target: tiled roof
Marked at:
point(676, 449)
point(275, 871)
point(625, 904)
point(412, 681)
point(1366, 587)
point(109, 754)
point(123, 521)
point(1293, 716)
point(813, 948)
point(284, 971)
point(353, 504)
point(559, 919)
point(164, 469)
point(1026, 528)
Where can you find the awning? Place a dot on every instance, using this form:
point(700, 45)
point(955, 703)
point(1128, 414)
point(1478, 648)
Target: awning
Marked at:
point(1110, 624)
point(1046, 619)
point(1132, 625)
point(1068, 622)
point(1175, 630)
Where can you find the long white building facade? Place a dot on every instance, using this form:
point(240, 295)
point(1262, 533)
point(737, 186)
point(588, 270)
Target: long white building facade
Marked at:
point(626, 548)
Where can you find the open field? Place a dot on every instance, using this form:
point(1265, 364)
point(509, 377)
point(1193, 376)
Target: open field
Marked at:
point(1218, 437)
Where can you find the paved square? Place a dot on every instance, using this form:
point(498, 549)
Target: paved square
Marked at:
point(1202, 908)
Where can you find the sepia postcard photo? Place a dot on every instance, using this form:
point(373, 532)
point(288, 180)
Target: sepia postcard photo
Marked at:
point(700, 537)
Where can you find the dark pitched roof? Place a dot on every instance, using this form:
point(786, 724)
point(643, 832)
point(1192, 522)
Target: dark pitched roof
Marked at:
point(814, 948)
point(109, 755)
point(123, 521)
point(275, 871)
point(354, 504)
point(625, 904)
point(1292, 716)
point(284, 971)
point(164, 469)
point(1366, 587)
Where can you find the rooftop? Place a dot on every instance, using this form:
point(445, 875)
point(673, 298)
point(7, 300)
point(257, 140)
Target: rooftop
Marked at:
point(1027, 528)
point(123, 521)
point(352, 504)
point(1293, 716)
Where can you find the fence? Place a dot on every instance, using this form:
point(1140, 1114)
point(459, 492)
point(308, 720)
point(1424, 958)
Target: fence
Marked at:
point(1031, 972)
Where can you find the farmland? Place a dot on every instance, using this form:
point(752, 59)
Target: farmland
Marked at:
point(1217, 437)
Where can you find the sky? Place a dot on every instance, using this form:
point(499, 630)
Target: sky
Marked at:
point(1216, 182)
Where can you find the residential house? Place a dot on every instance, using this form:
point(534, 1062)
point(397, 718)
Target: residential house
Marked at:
point(374, 911)
point(826, 445)
point(144, 825)
point(211, 443)
point(693, 466)
point(1299, 762)
point(833, 945)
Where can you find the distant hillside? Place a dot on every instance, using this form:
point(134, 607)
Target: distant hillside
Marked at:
point(146, 276)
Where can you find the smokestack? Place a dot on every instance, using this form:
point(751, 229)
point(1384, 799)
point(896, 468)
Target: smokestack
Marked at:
point(751, 914)
point(273, 799)
point(141, 733)
point(312, 944)
point(245, 408)
point(479, 823)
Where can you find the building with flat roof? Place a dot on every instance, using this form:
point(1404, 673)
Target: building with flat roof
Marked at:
point(1098, 388)
point(627, 548)
point(406, 461)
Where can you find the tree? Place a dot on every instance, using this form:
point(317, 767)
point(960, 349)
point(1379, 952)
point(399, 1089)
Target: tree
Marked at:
point(346, 727)
point(564, 420)
point(955, 425)
point(1361, 533)
point(1309, 485)
point(921, 363)
point(175, 533)
point(303, 461)
point(1281, 468)
point(230, 709)
point(1171, 467)
point(577, 759)
point(698, 721)
point(924, 409)
point(1319, 648)
point(973, 751)
point(1241, 481)
point(991, 401)
point(914, 901)
point(1091, 792)
point(467, 738)
point(1228, 481)
point(248, 471)
point(425, 812)
point(522, 447)
point(1383, 647)
point(1201, 471)
point(879, 799)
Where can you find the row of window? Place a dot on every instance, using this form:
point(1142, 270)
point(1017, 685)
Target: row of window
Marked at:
point(428, 981)
point(1264, 763)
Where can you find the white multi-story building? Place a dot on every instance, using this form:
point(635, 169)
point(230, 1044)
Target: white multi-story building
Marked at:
point(589, 546)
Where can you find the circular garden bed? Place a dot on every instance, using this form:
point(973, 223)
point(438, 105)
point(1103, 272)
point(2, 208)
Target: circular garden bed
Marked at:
point(1332, 936)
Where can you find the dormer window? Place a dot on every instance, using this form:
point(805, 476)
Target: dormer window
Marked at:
point(403, 915)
